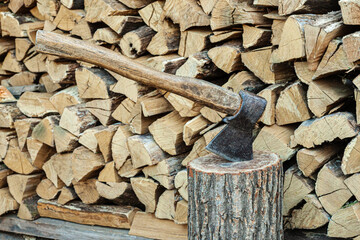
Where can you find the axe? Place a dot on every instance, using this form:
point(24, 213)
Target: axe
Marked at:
point(233, 143)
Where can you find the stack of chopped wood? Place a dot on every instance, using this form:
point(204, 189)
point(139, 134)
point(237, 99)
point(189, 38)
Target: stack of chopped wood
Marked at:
point(94, 145)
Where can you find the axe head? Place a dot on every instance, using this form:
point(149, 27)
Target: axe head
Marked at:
point(234, 142)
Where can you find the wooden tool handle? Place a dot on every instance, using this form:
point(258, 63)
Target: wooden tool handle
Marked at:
point(204, 92)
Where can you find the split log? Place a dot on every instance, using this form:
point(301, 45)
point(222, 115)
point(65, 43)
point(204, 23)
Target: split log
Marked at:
point(16, 6)
point(36, 104)
point(28, 209)
point(5, 137)
point(296, 187)
point(185, 107)
point(276, 139)
point(227, 57)
point(47, 190)
point(350, 163)
point(350, 11)
point(76, 119)
point(119, 146)
point(147, 191)
point(151, 14)
point(134, 43)
point(88, 139)
point(17, 25)
point(166, 41)
point(93, 83)
point(276, 28)
point(287, 7)
point(349, 44)
point(127, 170)
point(198, 150)
point(165, 208)
point(144, 151)
point(258, 62)
point(106, 35)
point(270, 94)
point(22, 78)
point(73, 4)
point(22, 46)
point(61, 72)
point(186, 13)
point(23, 186)
point(155, 104)
point(122, 24)
point(352, 183)
point(325, 94)
point(86, 164)
point(104, 139)
point(51, 172)
point(310, 216)
point(7, 44)
point(7, 202)
point(225, 35)
point(50, 86)
point(310, 160)
point(4, 172)
point(61, 166)
point(116, 216)
point(332, 194)
point(165, 171)
point(255, 37)
point(11, 64)
point(83, 29)
point(66, 195)
point(345, 222)
point(109, 174)
point(291, 106)
point(66, 19)
point(35, 62)
point(181, 184)
point(48, 8)
point(39, 152)
point(192, 129)
point(267, 202)
point(181, 212)
point(193, 41)
point(9, 113)
point(64, 98)
point(198, 65)
point(86, 190)
point(169, 63)
point(64, 140)
point(103, 108)
point(316, 131)
point(44, 130)
point(168, 133)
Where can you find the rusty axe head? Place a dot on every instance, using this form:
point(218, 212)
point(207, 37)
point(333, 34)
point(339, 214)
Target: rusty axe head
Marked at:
point(234, 142)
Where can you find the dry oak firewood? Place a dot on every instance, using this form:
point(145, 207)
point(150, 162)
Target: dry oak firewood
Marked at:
point(62, 72)
point(310, 160)
point(66, 19)
point(35, 62)
point(316, 131)
point(155, 105)
point(169, 63)
point(104, 139)
point(330, 187)
point(61, 168)
point(166, 40)
point(47, 190)
point(86, 190)
point(4, 172)
point(350, 43)
point(7, 202)
point(11, 64)
point(67, 194)
point(23, 186)
point(151, 14)
point(227, 57)
point(255, 37)
point(86, 164)
point(44, 130)
point(18, 25)
point(287, 7)
point(66, 97)
point(83, 29)
point(39, 152)
point(276, 28)
point(225, 35)
point(192, 129)
point(181, 212)
point(207, 5)
point(76, 119)
point(5, 137)
point(103, 108)
point(193, 41)
point(296, 187)
point(36, 104)
point(303, 73)
point(28, 208)
point(197, 151)
point(106, 35)
point(119, 146)
point(51, 172)
point(48, 8)
point(165, 208)
point(350, 163)
point(9, 113)
point(147, 191)
point(22, 78)
point(127, 170)
point(73, 4)
point(291, 106)
point(270, 94)
point(134, 43)
point(7, 44)
point(276, 139)
point(345, 222)
point(350, 11)
point(181, 184)
point(109, 174)
point(64, 140)
point(185, 107)
point(88, 139)
point(352, 184)
point(17, 6)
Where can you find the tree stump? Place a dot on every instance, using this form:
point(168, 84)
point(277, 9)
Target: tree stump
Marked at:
point(235, 200)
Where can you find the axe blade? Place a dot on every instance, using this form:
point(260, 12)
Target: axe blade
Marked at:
point(234, 142)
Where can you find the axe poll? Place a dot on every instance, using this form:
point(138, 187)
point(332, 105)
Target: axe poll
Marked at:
point(233, 143)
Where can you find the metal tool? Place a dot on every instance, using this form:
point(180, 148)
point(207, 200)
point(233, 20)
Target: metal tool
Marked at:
point(233, 143)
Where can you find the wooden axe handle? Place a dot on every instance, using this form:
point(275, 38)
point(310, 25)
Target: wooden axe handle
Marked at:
point(202, 91)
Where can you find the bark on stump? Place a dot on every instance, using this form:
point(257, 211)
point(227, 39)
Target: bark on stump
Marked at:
point(235, 200)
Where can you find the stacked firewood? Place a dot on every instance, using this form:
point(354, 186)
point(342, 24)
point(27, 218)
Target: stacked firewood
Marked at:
point(84, 144)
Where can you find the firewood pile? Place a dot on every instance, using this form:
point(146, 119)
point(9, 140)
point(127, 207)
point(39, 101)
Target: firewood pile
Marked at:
point(84, 144)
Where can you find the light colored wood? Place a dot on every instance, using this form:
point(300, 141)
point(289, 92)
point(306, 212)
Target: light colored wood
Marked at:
point(166, 40)
point(51, 172)
point(185, 107)
point(4, 172)
point(66, 19)
point(18, 161)
point(35, 62)
point(134, 43)
point(168, 133)
point(28, 209)
point(147, 191)
point(186, 13)
point(61, 166)
point(147, 225)
point(18, 26)
point(155, 105)
point(83, 29)
point(345, 222)
point(310, 216)
point(296, 187)
point(122, 24)
point(227, 57)
point(287, 7)
point(88, 139)
point(119, 146)
point(276, 28)
point(66, 195)
point(311, 160)
point(349, 44)
point(16, 6)
point(325, 94)
point(181, 184)
point(9, 114)
point(276, 139)
point(7, 202)
point(136, 4)
point(350, 163)
point(5, 137)
point(7, 44)
point(93, 83)
point(36, 104)
point(48, 8)
point(64, 140)
point(198, 150)
point(76, 119)
point(193, 41)
point(47, 190)
point(352, 184)
point(332, 194)
point(220, 36)
point(165, 171)
point(66, 97)
point(350, 11)
point(44, 130)
point(39, 152)
point(266, 3)
point(73, 4)
point(207, 5)
point(11, 64)
point(22, 78)
point(258, 62)
point(312, 132)
point(104, 139)
point(144, 151)
point(232, 13)
point(103, 108)
point(109, 174)
point(106, 35)
point(165, 208)
point(116, 216)
point(333, 61)
point(62, 72)
point(23, 186)
point(169, 63)
point(86, 164)
point(36, 13)
point(181, 213)
point(127, 170)
point(271, 95)
point(24, 128)
point(291, 106)
point(151, 14)
point(255, 37)
point(303, 73)
point(22, 46)
point(192, 129)
point(86, 190)
point(50, 86)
